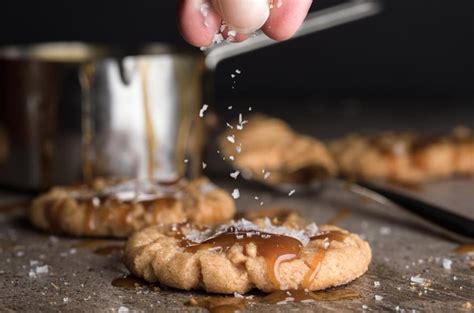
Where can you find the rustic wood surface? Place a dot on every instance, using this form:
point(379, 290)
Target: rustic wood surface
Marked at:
point(403, 246)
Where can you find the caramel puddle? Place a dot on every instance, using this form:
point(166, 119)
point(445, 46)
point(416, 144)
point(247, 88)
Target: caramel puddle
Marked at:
point(132, 282)
point(232, 304)
point(467, 248)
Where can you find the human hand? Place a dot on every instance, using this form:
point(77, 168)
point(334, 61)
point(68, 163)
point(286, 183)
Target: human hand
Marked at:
point(199, 20)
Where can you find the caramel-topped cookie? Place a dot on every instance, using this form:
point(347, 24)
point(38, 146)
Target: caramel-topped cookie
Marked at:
point(118, 208)
point(268, 150)
point(405, 157)
point(243, 255)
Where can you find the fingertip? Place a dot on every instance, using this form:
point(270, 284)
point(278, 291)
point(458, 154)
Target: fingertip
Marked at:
point(286, 19)
point(196, 27)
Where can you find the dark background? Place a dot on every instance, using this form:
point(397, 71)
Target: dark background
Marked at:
point(417, 48)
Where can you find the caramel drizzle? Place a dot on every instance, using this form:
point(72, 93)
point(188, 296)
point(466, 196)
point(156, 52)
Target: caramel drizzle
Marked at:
point(275, 249)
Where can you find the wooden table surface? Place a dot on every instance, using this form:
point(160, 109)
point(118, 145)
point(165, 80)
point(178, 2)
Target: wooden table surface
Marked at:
point(404, 247)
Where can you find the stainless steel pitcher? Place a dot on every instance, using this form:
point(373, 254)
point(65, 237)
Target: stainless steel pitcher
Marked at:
point(72, 111)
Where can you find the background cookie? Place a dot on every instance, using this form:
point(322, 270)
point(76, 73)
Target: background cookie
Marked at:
point(269, 144)
point(116, 209)
point(405, 157)
point(244, 255)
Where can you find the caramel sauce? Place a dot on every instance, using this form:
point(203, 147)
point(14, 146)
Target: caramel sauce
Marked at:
point(275, 249)
point(218, 304)
point(232, 304)
point(333, 235)
point(467, 248)
point(101, 247)
point(129, 282)
point(108, 250)
point(301, 296)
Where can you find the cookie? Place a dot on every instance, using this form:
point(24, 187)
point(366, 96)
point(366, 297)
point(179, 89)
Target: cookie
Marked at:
point(405, 157)
point(243, 255)
point(268, 150)
point(117, 209)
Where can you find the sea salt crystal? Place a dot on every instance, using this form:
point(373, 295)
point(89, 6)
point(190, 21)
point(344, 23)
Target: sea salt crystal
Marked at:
point(238, 148)
point(231, 139)
point(203, 109)
point(235, 174)
point(122, 309)
point(291, 192)
point(230, 126)
point(66, 300)
point(204, 165)
point(376, 284)
point(364, 307)
point(266, 175)
point(238, 295)
point(447, 264)
point(42, 269)
point(231, 157)
point(378, 298)
point(417, 279)
point(236, 194)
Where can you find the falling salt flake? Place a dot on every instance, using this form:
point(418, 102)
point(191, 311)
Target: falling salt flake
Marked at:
point(230, 126)
point(238, 149)
point(256, 198)
point(417, 279)
point(291, 192)
point(236, 194)
point(261, 203)
point(238, 71)
point(235, 174)
point(186, 160)
point(42, 269)
point(203, 109)
point(376, 284)
point(230, 107)
point(250, 109)
point(266, 175)
point(378, 298)
point(123, 309)
point(231, 158)
point(232, 33)
point(385, 230)
point(364, 307)
point(204, 165)
point(447, 264)
point(455, 278)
